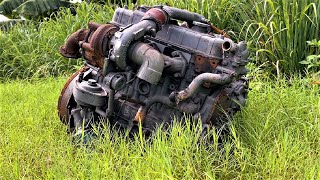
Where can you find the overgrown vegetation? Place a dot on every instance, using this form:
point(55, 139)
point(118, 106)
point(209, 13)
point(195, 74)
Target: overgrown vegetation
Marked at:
point(32, 50)
point(276, 31)
point(313, 60)
point(276, 136)
point(31, 8)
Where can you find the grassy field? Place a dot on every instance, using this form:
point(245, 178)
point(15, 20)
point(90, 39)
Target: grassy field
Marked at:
point(276, 32)
point(276, 136)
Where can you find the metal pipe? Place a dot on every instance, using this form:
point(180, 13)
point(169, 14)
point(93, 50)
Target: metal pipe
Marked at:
point(228, 45)
point(110, 103)
point(151, 61)
point(71, 48)
point(143, 110)
point(219, 31)
point(184, 15)
point(77, 118)
point(101, 112)
point(110, 108)
point(150, 23)
point(198, 81)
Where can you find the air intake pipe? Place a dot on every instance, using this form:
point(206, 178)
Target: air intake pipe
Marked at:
point(151, 23)
point(151, 62)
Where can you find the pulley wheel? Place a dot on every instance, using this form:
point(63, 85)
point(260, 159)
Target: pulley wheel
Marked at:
point(66, 100)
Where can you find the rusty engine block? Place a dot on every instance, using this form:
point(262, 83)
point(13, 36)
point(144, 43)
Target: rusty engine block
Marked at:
point(151, 65)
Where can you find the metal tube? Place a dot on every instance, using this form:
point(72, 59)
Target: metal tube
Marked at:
point(143, 110)
point(110, 108)
point(184, 15)
point(151, 62)
point(110, 103)
point(198, 81)
point(101, 112)
point(77, 118)
point(71, 48)
point(151, 22)
point(228, 45)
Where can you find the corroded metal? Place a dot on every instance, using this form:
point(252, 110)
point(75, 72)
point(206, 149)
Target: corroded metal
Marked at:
point(94, 49)
point(72, 46)
point(150, 65)
point(66, 96)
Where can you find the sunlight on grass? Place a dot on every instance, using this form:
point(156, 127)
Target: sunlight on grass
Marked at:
point(275, 136)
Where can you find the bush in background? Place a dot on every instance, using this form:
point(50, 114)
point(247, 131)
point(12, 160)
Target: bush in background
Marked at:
point(32, 50)
point(276, 32)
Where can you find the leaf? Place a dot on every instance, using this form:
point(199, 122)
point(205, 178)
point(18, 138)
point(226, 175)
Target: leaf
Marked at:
point(7, 6)
point(304, 62)
point(35, 8)
point(310, 66)
point(5, 25)
point(311, 57)
point(3, 18)
point(314, 42)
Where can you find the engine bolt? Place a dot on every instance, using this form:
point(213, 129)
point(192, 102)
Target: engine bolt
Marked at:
point(92, 82)
point(176, 75)
point(224, 63)
point(153, 32)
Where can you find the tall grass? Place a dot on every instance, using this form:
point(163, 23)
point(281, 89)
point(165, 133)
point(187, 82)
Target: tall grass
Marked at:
point(276, 136)
point(219, 12)
point(276, 31)
point(31, 50)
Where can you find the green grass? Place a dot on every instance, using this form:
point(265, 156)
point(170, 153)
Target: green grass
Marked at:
point(32, 49)
point(276, 32)
point(276, 136)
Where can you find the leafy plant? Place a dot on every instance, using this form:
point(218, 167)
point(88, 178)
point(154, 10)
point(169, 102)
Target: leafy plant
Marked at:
point(36, 8)
point(31, 8)
point(31, 49)
point(278, 29)
point(313, 61)
point(7, 6)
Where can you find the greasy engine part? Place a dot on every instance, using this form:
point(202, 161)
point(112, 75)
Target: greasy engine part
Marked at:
point(150, 65)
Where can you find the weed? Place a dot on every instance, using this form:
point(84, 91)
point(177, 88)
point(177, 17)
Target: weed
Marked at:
point(275, 136)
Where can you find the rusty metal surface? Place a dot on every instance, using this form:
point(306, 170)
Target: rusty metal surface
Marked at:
point(219, 31)
point(204, 64)
point(65, 96)
point(156, 14)
point(72, 47)
point(215, 111)
point(144, 68)
point(94, 49)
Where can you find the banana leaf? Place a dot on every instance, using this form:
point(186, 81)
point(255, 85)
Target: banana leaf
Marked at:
point(7, 6)
point(36, 8)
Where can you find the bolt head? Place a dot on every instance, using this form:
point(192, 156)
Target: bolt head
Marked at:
point(92, 82)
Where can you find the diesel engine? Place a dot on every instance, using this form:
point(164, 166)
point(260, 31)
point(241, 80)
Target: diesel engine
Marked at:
point(152, 65)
